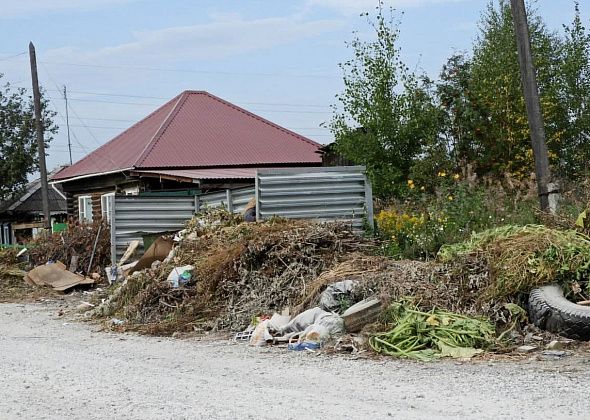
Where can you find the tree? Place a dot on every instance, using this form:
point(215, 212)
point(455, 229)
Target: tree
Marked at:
point(18, 144)
point(501, 137)
point(462, 117)
point(575, 95)
point(385, 115)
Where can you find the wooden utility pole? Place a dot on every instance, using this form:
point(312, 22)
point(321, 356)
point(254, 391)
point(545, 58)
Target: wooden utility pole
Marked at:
point(40, 140)
point(533, 104)
point(68, 123)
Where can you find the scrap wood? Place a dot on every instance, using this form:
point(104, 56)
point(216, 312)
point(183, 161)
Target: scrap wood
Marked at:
point(131, 248)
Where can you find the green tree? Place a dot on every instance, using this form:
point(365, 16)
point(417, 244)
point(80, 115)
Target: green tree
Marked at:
point(385, 115)
point(18, 143)
point(461, 115)
point(498, 130)
point(575, 95)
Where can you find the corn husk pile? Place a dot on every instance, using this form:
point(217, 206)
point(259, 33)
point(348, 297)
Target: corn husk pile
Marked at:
point(241, 271)
point(76, 240)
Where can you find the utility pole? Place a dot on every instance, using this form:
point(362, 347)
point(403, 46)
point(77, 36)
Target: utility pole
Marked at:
point(68, 124)
point(40, 140)
point(533, 104)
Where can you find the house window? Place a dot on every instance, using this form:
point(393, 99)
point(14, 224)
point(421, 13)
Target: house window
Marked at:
point(106, 201)
point(6, 234)
point(85, 208)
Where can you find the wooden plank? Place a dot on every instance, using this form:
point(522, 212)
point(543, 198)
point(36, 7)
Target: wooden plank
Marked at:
point(19, 226)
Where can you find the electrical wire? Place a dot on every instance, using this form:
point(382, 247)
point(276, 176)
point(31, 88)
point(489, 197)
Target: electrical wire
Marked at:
point(147, 68)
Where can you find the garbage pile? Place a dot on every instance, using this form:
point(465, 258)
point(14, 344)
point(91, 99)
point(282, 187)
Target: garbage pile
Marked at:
point(304, 284)
point(227, 273)
point(87, 247)
point(429, 335)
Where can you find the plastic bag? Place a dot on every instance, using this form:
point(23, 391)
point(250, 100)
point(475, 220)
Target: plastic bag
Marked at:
point(179, 276)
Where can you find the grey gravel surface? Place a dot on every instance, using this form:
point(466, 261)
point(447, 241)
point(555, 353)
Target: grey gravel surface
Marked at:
point(52, 368)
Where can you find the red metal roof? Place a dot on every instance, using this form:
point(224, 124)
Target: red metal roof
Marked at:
point(195, 130)
point(195, 174)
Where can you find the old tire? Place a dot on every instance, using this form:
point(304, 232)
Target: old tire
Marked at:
point(551, 311)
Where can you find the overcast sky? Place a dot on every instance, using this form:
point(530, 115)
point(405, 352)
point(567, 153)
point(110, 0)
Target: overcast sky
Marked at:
point(121, 59)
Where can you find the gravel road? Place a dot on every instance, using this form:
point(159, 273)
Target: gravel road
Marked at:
point(52, 368)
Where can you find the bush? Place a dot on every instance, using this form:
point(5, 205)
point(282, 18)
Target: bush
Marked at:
point(420, 225)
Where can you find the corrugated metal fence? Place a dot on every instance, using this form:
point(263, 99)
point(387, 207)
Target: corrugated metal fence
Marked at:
point(334, 193)
point(133, 216)
point(233, 200)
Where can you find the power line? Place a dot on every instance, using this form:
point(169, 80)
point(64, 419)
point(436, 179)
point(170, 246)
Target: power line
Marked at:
point(288, 111)
point(126, 95)
point(10, 57)
point(88, 154)
point(147, 68)
point(97, 126)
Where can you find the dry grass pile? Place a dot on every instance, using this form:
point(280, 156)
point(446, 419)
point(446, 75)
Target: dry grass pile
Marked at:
point(452, 287)
point(523, 257)
point(12, 284)
point(77, 240)
point(241, 271)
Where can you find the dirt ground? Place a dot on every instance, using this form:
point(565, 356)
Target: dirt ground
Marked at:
point(54, 367)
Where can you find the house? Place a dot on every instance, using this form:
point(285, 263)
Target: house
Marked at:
point(22, 215)
point(194, 143)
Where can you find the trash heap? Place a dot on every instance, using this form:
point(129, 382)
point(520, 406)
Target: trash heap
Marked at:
point(429, 335)
point(304, 284)
point(86, 244)
point(239, 271)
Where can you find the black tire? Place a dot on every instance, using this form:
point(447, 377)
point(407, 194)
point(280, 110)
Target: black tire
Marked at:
point(551, 311)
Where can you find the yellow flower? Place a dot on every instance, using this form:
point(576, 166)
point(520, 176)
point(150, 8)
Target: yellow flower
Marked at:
point(442, 174)
point(422, 188)
point(411, 183)
point(456, 177)
point(450, 197)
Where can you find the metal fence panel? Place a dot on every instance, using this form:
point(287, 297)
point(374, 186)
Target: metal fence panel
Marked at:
point(324, 194)
point(134, 215)
point(234, 200)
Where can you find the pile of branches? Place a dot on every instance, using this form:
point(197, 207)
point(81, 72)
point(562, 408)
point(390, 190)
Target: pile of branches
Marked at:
point(241, 271)
point(75, 241)
point(454, 287)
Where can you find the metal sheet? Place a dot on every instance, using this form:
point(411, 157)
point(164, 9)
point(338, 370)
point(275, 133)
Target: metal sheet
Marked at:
point(323, 194)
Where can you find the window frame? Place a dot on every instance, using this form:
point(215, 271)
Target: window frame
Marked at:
point(106, 212)
point(84, 208)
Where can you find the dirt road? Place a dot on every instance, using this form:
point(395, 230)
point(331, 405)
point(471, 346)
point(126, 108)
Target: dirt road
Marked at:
point(55, 369)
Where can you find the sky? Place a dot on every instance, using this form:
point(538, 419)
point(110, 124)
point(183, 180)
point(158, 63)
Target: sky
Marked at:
point(122, 59)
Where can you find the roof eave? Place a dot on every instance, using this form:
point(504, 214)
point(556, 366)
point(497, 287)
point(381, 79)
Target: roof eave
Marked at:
point(75, 178)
